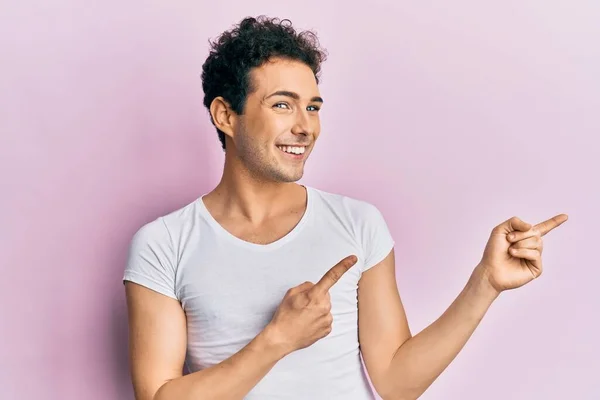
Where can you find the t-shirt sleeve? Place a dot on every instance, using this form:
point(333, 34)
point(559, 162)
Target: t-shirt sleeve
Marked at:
point(377, 241)
point(151, 261)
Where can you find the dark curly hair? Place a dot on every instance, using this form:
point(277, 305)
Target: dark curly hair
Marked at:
point(248, 45)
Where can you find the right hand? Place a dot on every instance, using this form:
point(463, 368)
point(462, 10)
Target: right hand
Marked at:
point(304, 315)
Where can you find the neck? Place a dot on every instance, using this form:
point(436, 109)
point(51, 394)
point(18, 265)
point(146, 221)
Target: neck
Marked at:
point(241, 193)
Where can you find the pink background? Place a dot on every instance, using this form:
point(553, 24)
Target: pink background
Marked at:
point(450, 118)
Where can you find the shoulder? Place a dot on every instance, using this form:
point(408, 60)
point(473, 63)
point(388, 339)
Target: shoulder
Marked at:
point(164, 229)
point(363, 221)
point(154, 250)
point(355, 209)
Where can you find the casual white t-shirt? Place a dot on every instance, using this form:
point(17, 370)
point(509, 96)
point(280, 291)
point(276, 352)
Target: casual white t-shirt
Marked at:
point(230, 288)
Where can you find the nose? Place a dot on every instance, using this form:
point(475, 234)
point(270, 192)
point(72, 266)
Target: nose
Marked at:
point(303, 125)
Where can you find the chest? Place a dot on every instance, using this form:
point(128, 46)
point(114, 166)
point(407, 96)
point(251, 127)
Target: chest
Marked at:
point(224, 288)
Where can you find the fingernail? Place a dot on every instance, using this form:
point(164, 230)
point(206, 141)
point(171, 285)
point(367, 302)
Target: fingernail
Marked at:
point(511, 236)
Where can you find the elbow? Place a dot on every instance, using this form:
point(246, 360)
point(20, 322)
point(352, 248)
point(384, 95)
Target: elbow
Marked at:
point(400, 396)
point(159, 394)
point(398, 385)
point(400, 393)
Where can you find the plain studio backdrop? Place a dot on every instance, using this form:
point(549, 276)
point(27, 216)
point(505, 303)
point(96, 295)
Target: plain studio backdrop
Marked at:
point(450, 117)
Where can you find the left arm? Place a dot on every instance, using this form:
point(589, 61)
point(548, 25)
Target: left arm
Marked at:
point(402, 366)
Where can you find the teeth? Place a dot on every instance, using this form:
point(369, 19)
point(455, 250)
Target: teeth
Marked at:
point(292, 149)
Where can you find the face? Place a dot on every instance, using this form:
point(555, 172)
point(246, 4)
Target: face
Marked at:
point(280, 124)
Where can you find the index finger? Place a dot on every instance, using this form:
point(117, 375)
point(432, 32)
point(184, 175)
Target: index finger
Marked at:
point(548, 225)
point(333, 275)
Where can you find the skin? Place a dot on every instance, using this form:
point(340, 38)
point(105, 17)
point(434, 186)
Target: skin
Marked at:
point(404, 366)
point(258, 200)
point(283, 109)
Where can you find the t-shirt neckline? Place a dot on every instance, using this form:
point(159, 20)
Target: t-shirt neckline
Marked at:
point(226, 235)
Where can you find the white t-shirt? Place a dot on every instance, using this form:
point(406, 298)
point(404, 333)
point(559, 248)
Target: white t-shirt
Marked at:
point(230, 288)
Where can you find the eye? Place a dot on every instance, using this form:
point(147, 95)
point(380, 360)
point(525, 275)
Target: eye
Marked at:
point(279, 105)
point(313, 108)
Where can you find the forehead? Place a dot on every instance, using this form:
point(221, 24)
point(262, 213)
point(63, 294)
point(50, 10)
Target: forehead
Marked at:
point(281, 74)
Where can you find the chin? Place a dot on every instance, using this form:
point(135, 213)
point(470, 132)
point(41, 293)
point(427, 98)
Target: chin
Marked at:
point(291, 179)
point(284, 177)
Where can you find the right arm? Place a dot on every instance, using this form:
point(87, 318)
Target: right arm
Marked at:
point(157, 337)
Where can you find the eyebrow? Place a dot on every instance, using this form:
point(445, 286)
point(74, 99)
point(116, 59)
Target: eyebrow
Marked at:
point(293, 95)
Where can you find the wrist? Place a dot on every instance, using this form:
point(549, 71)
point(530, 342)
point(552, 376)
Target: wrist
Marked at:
point(481, 285)
point(270, 342)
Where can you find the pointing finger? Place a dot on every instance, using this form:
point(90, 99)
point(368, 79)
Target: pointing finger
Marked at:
point(548, 225)
point(542, 228)
point(333, 275)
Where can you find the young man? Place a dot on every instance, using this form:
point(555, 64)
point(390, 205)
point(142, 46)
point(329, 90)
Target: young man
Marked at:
point(266, 289)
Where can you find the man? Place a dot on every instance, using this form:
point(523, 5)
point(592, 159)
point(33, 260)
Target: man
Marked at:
point(266, 289)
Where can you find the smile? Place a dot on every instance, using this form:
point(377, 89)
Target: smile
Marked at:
point(295, 153)
point(296, 150)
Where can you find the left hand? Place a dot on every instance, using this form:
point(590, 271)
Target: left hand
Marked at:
point(509, 263)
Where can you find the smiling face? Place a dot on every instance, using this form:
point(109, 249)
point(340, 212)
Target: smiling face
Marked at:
point(280, 124)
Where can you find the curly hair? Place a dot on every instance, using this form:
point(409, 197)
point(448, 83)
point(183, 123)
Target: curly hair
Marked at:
point(248, 45)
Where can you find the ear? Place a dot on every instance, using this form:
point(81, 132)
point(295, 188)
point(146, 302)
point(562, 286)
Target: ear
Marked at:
point(223, 115)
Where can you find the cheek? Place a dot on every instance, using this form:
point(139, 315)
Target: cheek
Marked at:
point(271, 126)
point(317, 127)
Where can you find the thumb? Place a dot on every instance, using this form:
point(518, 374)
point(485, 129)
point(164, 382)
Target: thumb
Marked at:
point(300, 288)
point(516, 224)
point(511, 225)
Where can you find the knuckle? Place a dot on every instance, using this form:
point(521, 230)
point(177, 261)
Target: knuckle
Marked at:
point(308, 297)
point(334, 275)
point(300, 301)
